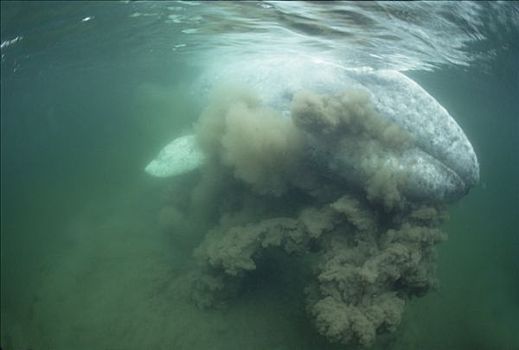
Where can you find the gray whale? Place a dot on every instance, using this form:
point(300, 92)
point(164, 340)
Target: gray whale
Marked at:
point(442, 165)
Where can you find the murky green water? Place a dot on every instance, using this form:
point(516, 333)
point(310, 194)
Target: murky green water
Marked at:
point(90, 92)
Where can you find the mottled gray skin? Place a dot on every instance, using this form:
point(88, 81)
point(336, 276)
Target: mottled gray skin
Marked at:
point(444, 162)
point(441, 167)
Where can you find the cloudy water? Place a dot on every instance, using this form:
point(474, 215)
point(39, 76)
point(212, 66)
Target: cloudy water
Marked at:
point(96, 253)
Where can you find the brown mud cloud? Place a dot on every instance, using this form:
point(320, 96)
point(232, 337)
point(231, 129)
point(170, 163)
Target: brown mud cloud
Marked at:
point(265, 188)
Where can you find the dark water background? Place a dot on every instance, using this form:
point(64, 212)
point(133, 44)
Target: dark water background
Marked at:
point(85, 104)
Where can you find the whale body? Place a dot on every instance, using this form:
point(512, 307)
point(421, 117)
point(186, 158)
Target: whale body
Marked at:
point(441, 166)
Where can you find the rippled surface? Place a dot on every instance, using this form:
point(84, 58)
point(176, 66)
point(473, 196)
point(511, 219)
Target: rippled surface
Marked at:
point(397, 35)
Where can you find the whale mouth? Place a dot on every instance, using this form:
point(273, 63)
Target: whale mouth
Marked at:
point(360, 144)
point(435, 131)
point(443, 164)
